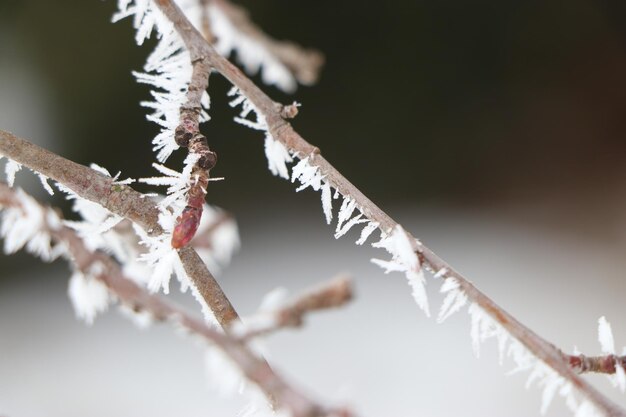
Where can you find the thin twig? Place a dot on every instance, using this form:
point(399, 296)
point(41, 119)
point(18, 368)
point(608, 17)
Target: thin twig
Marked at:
point(121, 200)
point(188, 135)
point(332, 294)
point(304, 64)
point(282, 131)
point(253, 367)
point(205, 22)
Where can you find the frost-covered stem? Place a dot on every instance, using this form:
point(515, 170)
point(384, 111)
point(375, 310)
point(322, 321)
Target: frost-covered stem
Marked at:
point(598, 364)
point(121, 200)
point(282, 131)
point(188, 135)
point(86, 182)
point(305, 64)
point(332, 294)
point(129, 293)
point(539, 347)
point(208, 287)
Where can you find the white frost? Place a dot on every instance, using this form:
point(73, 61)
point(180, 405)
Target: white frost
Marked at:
point(252, 54)
point(404, 259)
point(607, 343)
point(455, 299)
point(88, 296)
point(10, 169)
point(277, 157)
point(605, 336)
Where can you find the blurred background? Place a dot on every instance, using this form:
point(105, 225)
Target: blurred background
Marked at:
point(495, 131)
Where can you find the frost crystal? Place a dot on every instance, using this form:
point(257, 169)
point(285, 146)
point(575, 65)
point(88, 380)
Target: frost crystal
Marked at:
point(168, 69)
point(178, 183)
point(10, 169)
point(484, 327)
point(605, 337)
point(251, 53)
point(88, 296)
point(455, 299)
point(162, 259)
point(277, 157)
point(44, 183)
point(404, 259)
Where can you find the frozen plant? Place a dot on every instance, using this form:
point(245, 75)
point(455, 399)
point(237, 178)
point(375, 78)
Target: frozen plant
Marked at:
point(129, 245)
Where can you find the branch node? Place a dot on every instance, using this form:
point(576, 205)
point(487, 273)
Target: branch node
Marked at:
point(289, 111)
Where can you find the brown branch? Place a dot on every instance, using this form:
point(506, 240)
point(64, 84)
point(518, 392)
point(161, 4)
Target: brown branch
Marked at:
point(253, 367)
point(188, 135)
point(121, 200)
point(283, 132)
point(332, 294)
point(205, 22)
point(304, 64)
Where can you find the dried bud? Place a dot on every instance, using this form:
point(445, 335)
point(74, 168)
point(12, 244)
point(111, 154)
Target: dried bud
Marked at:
point(207, 160)
point(182, 136)
point(186, 226)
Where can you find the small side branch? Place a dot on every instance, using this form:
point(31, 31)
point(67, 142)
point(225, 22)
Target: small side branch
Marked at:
point(304, 64)
point(333, 294)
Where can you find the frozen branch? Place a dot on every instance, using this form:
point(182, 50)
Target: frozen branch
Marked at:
point(282, 132)
point(121, 200)
point(104, 269)
point(304, 64)
point(205, 21)
point(188, 135)
point(331, 294)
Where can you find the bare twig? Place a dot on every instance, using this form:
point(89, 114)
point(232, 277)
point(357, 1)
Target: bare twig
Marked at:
point(121, 200)
point(204, 20)
point(188, 135)
point(283, 132)
point(332, 294)
point(304, 64)
point(253, 367)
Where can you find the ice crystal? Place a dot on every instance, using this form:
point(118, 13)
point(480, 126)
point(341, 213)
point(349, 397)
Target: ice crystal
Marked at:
point(455, 299)
point(549, 381)
point(607, 343)
point(178, 183)
point(88, 295)
point(10, 169)
point(404, 259)
point(44, 182)
point(96, 221)
point(168, 70)
point(162, 259)
point(277, 157)
point(26, 225)
point(252, 54)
